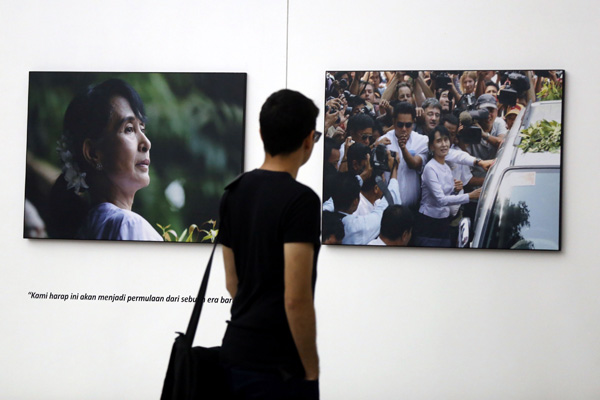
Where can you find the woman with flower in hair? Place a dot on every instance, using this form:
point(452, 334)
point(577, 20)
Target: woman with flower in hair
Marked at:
point(106, 158)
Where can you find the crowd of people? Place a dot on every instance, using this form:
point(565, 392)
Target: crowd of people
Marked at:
point(406, 153)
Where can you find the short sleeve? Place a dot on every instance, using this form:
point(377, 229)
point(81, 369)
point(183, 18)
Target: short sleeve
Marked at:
point(302, 221)
point(224, 236)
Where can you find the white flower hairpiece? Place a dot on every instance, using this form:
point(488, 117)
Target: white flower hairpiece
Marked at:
point(73, 175)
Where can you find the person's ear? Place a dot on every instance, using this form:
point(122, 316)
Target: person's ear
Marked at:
point(90, 153)
point(309, 141)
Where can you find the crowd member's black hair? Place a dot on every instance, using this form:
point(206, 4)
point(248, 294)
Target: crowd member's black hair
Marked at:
point(377, 127)
point(395, 221)
point(404, 107)
point(332, 225)
point(449, 118)
point(368, 184)
point(346, 190)
point(329, 145)
point(338, 75)
point(286, 119)
point(491, 83)
point(438, 93)
point(357, 152)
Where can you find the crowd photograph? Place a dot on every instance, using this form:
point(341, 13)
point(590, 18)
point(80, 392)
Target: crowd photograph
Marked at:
point(443, 158)
point(131, 156)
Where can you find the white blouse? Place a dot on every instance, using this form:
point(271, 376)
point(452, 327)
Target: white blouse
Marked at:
point(436, 191)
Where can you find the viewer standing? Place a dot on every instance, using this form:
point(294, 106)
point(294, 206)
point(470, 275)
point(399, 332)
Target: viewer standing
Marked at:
point(270, 226)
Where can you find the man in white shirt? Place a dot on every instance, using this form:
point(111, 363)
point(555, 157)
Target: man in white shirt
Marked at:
point(359, 229)
point(412, 150)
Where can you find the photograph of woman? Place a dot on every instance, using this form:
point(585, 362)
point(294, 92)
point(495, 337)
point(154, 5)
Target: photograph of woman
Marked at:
point(103, 164)
point(105, 151)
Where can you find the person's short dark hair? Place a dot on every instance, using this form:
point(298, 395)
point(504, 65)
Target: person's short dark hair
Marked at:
point(340, 74)
point(395, 221)
point(368, 184)
point(449, 118)
point(357, 152)
point(491, 83)
point(286, 119)
point(438, 93)
point(359, 122)
point(346, 190)
point(404, 107)
point(431, 102)
point(332, 225)
point(441, 129)
point(329, 145)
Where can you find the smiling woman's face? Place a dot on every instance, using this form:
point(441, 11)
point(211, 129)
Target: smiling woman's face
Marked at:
point(124, 150)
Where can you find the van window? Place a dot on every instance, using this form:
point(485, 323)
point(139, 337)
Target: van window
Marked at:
point(526, 211)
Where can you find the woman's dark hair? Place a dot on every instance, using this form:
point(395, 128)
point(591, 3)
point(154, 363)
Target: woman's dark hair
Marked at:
point(441, 129)
point(286, 119)
point(87, 117)
point(89, 113)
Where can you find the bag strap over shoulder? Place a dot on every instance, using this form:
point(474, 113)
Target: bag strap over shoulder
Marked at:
point(195, 318)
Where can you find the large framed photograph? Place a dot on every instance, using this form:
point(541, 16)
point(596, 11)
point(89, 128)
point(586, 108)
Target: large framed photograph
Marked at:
point(131, 156)
point(452, 159)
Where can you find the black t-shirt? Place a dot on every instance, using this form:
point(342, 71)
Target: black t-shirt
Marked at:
point(264, 210)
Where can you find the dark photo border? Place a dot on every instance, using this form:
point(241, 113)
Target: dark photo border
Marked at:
point(196, 125)
point(513, 160)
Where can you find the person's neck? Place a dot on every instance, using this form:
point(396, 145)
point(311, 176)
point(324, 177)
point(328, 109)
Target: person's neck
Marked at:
point(289, 163)
point(440, 159)
point(108, 194)
point(372, 197)
point(389, 242)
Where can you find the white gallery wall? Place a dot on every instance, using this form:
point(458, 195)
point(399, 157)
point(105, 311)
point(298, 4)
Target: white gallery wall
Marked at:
point(393, 323)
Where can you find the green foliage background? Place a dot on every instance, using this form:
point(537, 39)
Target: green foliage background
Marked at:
point(195, 124)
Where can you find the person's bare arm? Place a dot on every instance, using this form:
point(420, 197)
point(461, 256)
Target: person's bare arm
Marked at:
point(231, 278)
point(356, 86)
point(299, 307)
point(390, 89)
point(495, 141)
point(531, 91)
point(480, 88)
point(414, 162)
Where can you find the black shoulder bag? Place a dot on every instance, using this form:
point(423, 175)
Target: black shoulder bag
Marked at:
point(194, 372)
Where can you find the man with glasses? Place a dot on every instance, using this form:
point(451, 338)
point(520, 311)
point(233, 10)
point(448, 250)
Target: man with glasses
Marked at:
point(412, 150)
point(270, 227)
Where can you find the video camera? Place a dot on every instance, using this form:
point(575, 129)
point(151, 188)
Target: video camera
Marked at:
point(517, 85)
point(471, 131)
point(379, 159)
